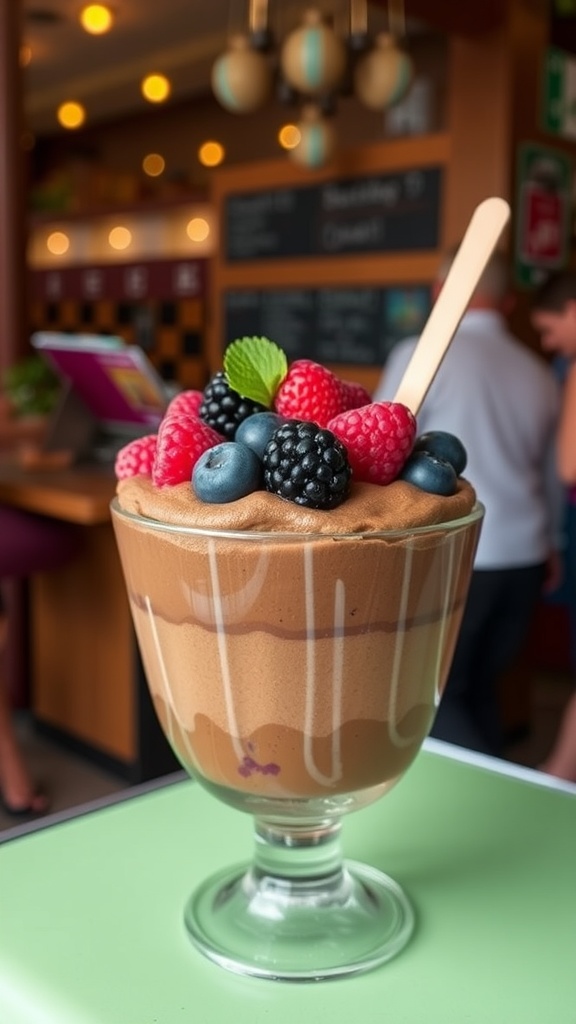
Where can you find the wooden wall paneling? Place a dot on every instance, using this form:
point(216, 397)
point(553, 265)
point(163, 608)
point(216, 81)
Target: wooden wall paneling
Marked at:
point(448, 16)
point(528, 37)
point(479, 123)
point(12, 191)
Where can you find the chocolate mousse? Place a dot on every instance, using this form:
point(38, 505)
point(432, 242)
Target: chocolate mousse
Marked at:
point(294, 652)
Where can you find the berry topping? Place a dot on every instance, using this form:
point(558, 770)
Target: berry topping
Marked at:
point(181, 441)
point(136, 458)
point(430, 473)
point(353, 395)
point(257, 430)
point(308, 465)
point(310, 392)
point(299, 431)
point(186, 401)
point(226, 472)
point(378, 437)
point(444, 446)
point(224, 409)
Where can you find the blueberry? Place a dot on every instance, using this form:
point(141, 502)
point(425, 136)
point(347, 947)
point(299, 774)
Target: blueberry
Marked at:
point(445, 446)
point(256, 430)
point(430, 473)
point(226, 472)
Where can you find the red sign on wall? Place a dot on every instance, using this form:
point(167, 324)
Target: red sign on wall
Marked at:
point(543, 226)
point(543, 212)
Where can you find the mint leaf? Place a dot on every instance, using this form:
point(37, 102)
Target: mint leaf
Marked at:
point(255, 368)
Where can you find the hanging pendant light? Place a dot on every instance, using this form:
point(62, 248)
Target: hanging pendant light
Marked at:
point(313, 57)
point(314, 67)
point(242, 77)
point(383, 75)
point(317, 143)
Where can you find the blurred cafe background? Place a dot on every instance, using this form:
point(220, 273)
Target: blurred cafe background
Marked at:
point(170, 179)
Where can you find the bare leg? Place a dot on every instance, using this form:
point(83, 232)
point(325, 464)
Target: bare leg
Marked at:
point(16, 788)
point(562, 759)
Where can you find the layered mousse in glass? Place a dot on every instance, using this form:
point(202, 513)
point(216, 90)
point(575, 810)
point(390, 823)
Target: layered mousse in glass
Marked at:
point(297, 563)
point(295, 653)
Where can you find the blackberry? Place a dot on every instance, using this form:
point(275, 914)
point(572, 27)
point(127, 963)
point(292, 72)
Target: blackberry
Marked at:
point(307, 464)
point(223, 408)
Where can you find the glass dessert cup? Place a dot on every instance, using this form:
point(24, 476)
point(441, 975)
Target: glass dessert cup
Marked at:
point(296, 677)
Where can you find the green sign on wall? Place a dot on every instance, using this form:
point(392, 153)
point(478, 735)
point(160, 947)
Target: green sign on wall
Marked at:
point(559, 94)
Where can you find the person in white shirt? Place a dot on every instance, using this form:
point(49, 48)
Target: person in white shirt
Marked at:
point(502, 401)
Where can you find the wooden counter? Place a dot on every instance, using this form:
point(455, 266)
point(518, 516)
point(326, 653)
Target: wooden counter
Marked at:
point(80, 496)
point(87, 681)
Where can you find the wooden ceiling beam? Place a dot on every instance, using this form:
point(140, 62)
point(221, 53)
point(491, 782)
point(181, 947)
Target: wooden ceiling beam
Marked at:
point(466, 19)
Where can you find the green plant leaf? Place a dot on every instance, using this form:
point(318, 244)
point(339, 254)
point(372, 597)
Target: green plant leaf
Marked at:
point(31, 386)
point(255, 368)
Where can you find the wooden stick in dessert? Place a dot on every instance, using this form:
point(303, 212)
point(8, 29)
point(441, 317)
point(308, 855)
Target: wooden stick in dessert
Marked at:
point(486, 225)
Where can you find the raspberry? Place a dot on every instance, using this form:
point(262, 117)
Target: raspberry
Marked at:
point(136, 458)
point(378, 437)
point(309, 392)
point(188, 402)
point(354, 395)
point(307, 464)
point(181, 441)
point(223, 408)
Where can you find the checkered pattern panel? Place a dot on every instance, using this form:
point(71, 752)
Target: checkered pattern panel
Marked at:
point(170, 332)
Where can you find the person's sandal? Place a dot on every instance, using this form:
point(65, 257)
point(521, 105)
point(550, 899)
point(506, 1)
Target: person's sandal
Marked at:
point(38, 806)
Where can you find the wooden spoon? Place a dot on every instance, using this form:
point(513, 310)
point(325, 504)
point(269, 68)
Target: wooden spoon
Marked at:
point(486, 225)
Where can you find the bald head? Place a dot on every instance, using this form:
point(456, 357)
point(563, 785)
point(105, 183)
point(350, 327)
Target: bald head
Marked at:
point(493, 288)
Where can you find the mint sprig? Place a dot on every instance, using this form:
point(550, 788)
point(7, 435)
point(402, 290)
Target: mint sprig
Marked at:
point(255, 368)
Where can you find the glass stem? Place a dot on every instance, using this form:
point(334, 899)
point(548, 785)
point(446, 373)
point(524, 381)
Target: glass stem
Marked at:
point(293, 852)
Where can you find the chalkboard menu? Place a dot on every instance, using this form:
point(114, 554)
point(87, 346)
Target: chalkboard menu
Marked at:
point(331, 325)
point(396, 212)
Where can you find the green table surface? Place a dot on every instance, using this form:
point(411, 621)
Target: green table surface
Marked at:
point(91, 927)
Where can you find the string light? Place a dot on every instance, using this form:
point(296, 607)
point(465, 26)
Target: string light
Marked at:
point(198, 229)
point(96, 19)
point(71, 114)
point(289, 136)
point(155, 88)
point(120, 237)
point(211, 153)
point(153, 164)
point(57, 243)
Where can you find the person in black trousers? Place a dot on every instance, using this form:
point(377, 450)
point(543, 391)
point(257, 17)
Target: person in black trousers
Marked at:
point(28, 544)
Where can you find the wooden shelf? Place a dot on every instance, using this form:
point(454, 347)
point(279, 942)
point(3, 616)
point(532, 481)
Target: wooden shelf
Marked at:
point(144, 206)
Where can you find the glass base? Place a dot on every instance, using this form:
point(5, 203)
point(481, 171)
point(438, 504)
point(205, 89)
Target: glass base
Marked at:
point(300, 928)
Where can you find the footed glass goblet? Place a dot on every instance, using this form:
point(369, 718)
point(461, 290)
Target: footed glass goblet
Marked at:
point(296, 676)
